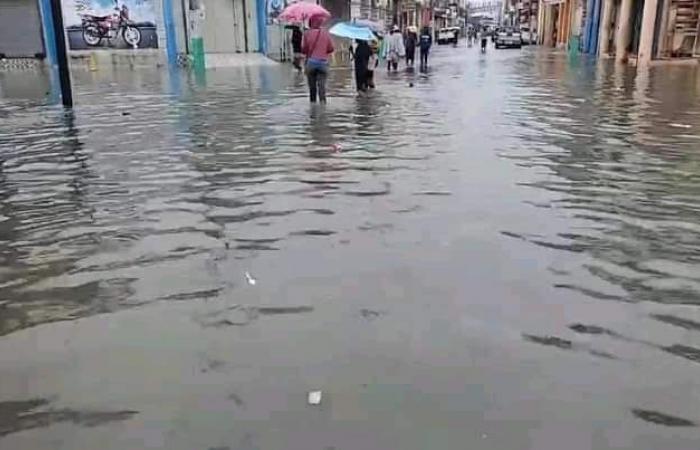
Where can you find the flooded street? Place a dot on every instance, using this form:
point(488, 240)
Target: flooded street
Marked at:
point(500, 254)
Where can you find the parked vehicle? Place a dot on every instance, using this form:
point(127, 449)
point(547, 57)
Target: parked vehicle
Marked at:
point(96, 28)
point(508, 37)
point(528, 38)
point(448, 35)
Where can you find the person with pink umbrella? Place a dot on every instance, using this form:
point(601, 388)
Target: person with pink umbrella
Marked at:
point(317, 46)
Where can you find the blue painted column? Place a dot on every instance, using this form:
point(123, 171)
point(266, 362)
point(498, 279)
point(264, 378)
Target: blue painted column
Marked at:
point(587, 28)
point(48, 31)
point(170, 34)
point(261, 7)
point(595, 26)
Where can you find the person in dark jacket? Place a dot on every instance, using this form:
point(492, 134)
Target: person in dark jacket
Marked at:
point(410, 45)
point(484, 40)
point(361, 58)
point(297, 37)
point(425, 42)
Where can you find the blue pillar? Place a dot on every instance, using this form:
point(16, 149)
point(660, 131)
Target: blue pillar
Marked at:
point(170, 34)
point(595, 27)
point(587, 27)
point(261, 7)
point(48, 31)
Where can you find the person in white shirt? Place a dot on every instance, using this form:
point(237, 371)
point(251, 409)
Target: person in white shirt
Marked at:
point(394, 49)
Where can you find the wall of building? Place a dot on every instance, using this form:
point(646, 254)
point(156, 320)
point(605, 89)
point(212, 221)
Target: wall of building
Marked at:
point(649, 29)
point(20, 29)
point(677, 32)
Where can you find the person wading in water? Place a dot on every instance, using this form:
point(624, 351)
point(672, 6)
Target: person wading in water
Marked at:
point(317, 46)
point(410, 45)
point(297, 37)
point(361, 57)
point(426, 41)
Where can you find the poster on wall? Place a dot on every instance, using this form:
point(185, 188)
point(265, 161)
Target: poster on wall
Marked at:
point(274, 9)
point(110, 24)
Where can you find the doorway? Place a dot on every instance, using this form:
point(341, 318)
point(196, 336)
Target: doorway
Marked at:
point(239, 25)
point(224, 26)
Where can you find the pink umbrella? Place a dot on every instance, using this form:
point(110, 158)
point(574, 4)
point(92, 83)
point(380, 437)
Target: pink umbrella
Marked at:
point(301, 11)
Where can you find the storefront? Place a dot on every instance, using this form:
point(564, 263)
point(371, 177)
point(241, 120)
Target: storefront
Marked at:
point(230, 26)
point(677, 29)
point(96, 25)
point(20, 29)
point(550, 13)
point(555, 22)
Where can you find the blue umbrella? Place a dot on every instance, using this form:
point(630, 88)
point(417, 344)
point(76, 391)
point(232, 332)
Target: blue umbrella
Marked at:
point(350, 31)
point(377, 27)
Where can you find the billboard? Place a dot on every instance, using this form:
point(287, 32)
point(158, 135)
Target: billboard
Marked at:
point(110, 24)
point(274, 8)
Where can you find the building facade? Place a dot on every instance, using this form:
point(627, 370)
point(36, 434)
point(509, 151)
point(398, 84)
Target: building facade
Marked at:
point(21, 29)
point(164, 27)
point(557, 20)
point(641, 30)
point(527, 12)
point(230, 26)
point(644, 30)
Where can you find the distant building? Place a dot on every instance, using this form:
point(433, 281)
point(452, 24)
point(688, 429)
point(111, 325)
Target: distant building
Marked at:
point(637, 30)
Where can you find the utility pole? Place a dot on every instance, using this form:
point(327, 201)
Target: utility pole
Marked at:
point(197, 14)
point(61, 54)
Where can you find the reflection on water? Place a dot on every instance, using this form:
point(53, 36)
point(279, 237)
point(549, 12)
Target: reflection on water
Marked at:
point(677, 321)
point(16, 416)
point(607, 151)
point(96, 204)
point(662, 419)
point(500, 219)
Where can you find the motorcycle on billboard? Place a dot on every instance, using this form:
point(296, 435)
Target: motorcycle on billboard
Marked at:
point(112, 26)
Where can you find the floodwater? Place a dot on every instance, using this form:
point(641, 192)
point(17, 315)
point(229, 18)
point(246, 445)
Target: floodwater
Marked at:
point(503, 256)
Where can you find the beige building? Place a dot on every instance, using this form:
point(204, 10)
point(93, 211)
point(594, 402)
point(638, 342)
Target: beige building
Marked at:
point(554, 22)
point(646, 30)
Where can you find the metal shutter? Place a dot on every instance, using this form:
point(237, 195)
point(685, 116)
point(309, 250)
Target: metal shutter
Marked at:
point(20, 28)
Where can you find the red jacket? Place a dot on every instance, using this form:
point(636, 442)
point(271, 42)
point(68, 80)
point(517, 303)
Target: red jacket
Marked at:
point(317, 44)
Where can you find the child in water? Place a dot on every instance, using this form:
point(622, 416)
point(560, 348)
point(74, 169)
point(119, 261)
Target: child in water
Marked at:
point(372, 63)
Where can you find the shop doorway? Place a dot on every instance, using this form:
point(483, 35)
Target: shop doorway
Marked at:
point(224, 26)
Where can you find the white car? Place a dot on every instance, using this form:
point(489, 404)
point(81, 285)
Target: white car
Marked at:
point(447, 35)
point(508, 37)
point(527, 37)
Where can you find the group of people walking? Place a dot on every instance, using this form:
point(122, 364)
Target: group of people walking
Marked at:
point(392, 48)
point(316, 46)
point(404, 45)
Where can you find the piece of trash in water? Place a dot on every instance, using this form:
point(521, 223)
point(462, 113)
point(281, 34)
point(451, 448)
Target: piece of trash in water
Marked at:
point(337, 147)
point(250, 279)
point(126, 113)
point(315, 398)
point(410, 84)
point(679, 125)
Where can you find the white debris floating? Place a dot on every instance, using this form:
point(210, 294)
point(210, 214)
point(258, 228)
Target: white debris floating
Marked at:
point(250, 279)
point(315, 397)
point(680, 125)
